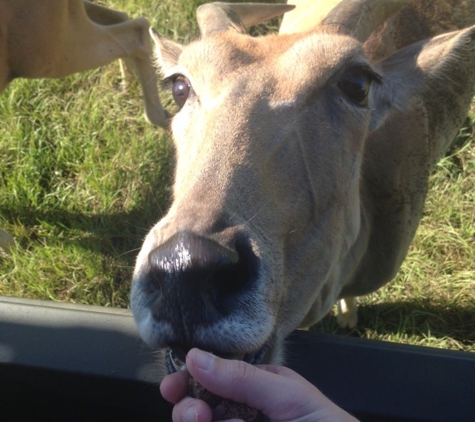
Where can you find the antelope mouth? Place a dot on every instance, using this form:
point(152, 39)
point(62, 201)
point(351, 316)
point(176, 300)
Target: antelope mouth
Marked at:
point(176, 358)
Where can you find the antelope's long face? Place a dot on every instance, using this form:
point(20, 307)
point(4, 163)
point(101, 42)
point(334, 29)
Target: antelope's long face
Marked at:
point(269, 140)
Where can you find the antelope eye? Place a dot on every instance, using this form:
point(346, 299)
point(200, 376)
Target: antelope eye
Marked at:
point(355, 84)
point(181, 90)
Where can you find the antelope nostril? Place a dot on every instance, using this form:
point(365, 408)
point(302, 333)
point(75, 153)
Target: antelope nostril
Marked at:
point(199, 272)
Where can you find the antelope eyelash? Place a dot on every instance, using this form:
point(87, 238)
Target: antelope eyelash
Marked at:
point(167, 83)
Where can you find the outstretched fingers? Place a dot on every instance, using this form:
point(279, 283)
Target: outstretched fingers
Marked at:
point(192, 410)
point(277, 392)
point(174, 387)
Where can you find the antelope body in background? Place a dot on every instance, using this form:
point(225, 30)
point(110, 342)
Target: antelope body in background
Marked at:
point(56, 38)
point(302, 166)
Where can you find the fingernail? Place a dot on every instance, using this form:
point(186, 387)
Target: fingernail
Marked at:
point(190, 415)
point(203, 360)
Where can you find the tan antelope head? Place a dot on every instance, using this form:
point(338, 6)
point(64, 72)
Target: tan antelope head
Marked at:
point(301, 171)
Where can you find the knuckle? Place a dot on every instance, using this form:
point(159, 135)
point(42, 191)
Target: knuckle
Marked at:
point(242, 373)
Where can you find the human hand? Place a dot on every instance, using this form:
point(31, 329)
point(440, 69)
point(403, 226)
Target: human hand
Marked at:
point(278, 392)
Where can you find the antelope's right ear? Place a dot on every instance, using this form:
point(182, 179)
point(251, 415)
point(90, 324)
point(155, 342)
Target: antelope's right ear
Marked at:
point(166, 52)
point(439, 71)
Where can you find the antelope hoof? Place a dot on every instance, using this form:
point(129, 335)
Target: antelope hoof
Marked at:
point(347, 315)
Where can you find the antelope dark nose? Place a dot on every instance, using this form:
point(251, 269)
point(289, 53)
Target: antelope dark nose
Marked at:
point(199, 277)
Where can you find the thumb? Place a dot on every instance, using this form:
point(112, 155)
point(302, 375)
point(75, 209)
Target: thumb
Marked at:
point(278, 397)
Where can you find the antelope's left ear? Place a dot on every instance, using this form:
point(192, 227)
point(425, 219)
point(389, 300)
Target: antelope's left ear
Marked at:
point(440, 70)
point(166, 52)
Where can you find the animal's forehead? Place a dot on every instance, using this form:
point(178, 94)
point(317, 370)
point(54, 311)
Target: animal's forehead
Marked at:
point(287, 57)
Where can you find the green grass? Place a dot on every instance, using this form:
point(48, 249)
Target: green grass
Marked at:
point(83, 177)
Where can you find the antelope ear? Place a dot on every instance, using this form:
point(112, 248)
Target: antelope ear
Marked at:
point(166, 52)
point(439, 71)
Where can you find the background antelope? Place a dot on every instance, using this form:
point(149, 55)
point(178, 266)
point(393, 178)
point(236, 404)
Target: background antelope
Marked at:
point(55, 38)
point(302, 167)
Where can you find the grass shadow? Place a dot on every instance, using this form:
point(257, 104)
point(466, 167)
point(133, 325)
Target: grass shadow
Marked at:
point(411, 321)
point(115, 234)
